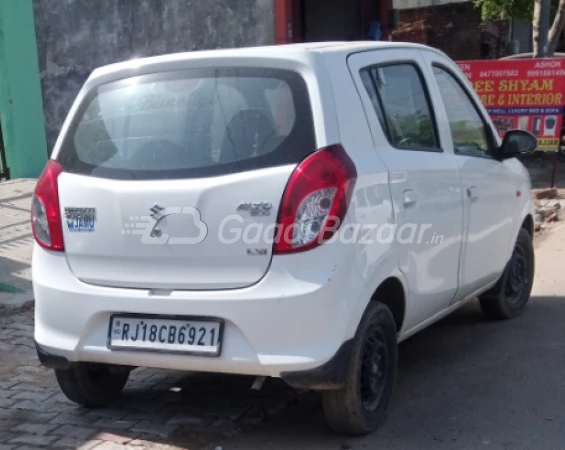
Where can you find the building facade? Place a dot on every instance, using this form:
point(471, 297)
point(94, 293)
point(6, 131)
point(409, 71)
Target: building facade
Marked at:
point(48, 48)
point(76, 36)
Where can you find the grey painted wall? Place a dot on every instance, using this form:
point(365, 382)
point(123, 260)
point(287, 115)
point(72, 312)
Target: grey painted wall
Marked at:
point(76, 36)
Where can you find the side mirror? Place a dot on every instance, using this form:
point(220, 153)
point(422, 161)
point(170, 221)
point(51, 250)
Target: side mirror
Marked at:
point(517, 142)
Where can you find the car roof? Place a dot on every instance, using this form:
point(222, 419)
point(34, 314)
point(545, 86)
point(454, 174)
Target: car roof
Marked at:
point(297, 52)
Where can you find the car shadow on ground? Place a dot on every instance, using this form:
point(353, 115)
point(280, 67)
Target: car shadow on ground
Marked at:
point(465, 382)
point(462, 381)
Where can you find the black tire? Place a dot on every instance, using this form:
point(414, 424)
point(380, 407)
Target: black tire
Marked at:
point(512, 292)
point(360, 407)
point(92, 385)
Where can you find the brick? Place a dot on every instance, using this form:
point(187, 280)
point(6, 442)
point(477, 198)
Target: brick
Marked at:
point(58, 407)
point(159, 417)
point(33, 417)
point(71, 419)
point(110, 413)
point(59, 397)
point(27, 404)
point(254, 416)
point(24, 378)
point(188, 419)
point(109, 446)
point(7, 425)
point(5, 436)
point(74, 431)
point(22, 327)
point(139, 444)
point(34, 396)
point(114, 424)
point(33, 369)
point(546, 193)
point(6, 402)
point(74, 443)
point(32, 439)
point(146, 427)
point(111, 437)
point(25, 387)
point(35, 428)
point(89, 445)
point(23, 341)
point(21, 333)
point(276, 406)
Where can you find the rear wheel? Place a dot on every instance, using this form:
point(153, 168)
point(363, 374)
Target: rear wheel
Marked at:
point(92, 385)
point(512, 293)
point(361, 405)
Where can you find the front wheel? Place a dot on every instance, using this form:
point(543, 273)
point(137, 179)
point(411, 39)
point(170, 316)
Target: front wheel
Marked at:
point(92, 385)
point(361, 405)
point(515, 285)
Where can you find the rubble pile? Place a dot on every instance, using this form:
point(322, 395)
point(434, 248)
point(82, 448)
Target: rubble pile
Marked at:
point(547, 212)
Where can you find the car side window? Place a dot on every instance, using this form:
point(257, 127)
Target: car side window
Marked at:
point(371, 88)
point(468, 129)
point(402, 104)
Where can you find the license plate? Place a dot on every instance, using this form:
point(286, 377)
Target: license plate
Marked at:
point(172, 335)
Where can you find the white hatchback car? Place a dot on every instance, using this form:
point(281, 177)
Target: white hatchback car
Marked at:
point(290, 212)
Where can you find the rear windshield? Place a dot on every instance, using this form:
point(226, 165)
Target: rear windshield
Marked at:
point(190, 124)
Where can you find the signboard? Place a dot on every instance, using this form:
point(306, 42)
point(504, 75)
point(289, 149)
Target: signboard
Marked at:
point(526, 94)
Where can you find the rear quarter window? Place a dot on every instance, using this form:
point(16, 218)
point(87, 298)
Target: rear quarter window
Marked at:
point(190, 124)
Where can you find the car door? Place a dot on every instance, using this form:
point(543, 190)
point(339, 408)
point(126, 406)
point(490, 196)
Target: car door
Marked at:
point(489, 186)
point(423, 176)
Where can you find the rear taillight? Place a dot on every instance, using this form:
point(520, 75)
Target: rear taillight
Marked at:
point(45, 213)
point(315, 201)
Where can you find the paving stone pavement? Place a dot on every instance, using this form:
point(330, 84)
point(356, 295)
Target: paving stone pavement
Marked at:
point(160, 410)
point(16, 242)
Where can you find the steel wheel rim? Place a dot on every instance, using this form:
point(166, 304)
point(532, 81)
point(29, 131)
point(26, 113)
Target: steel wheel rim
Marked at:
point(374, 370)
point(517, 276)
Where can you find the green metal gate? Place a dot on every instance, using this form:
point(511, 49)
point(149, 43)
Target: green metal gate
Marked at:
point(4, 170)
point(23, 145)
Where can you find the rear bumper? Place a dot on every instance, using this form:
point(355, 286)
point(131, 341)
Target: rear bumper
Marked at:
point(330, 375)
point(291, 324)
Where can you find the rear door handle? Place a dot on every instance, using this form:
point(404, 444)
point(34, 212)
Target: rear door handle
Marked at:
point(409, 197)
point(473, 193)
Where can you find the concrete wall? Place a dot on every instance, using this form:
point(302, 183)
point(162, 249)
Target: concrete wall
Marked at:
point(76, 36)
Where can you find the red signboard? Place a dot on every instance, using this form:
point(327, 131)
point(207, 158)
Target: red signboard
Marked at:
point(526, 94)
